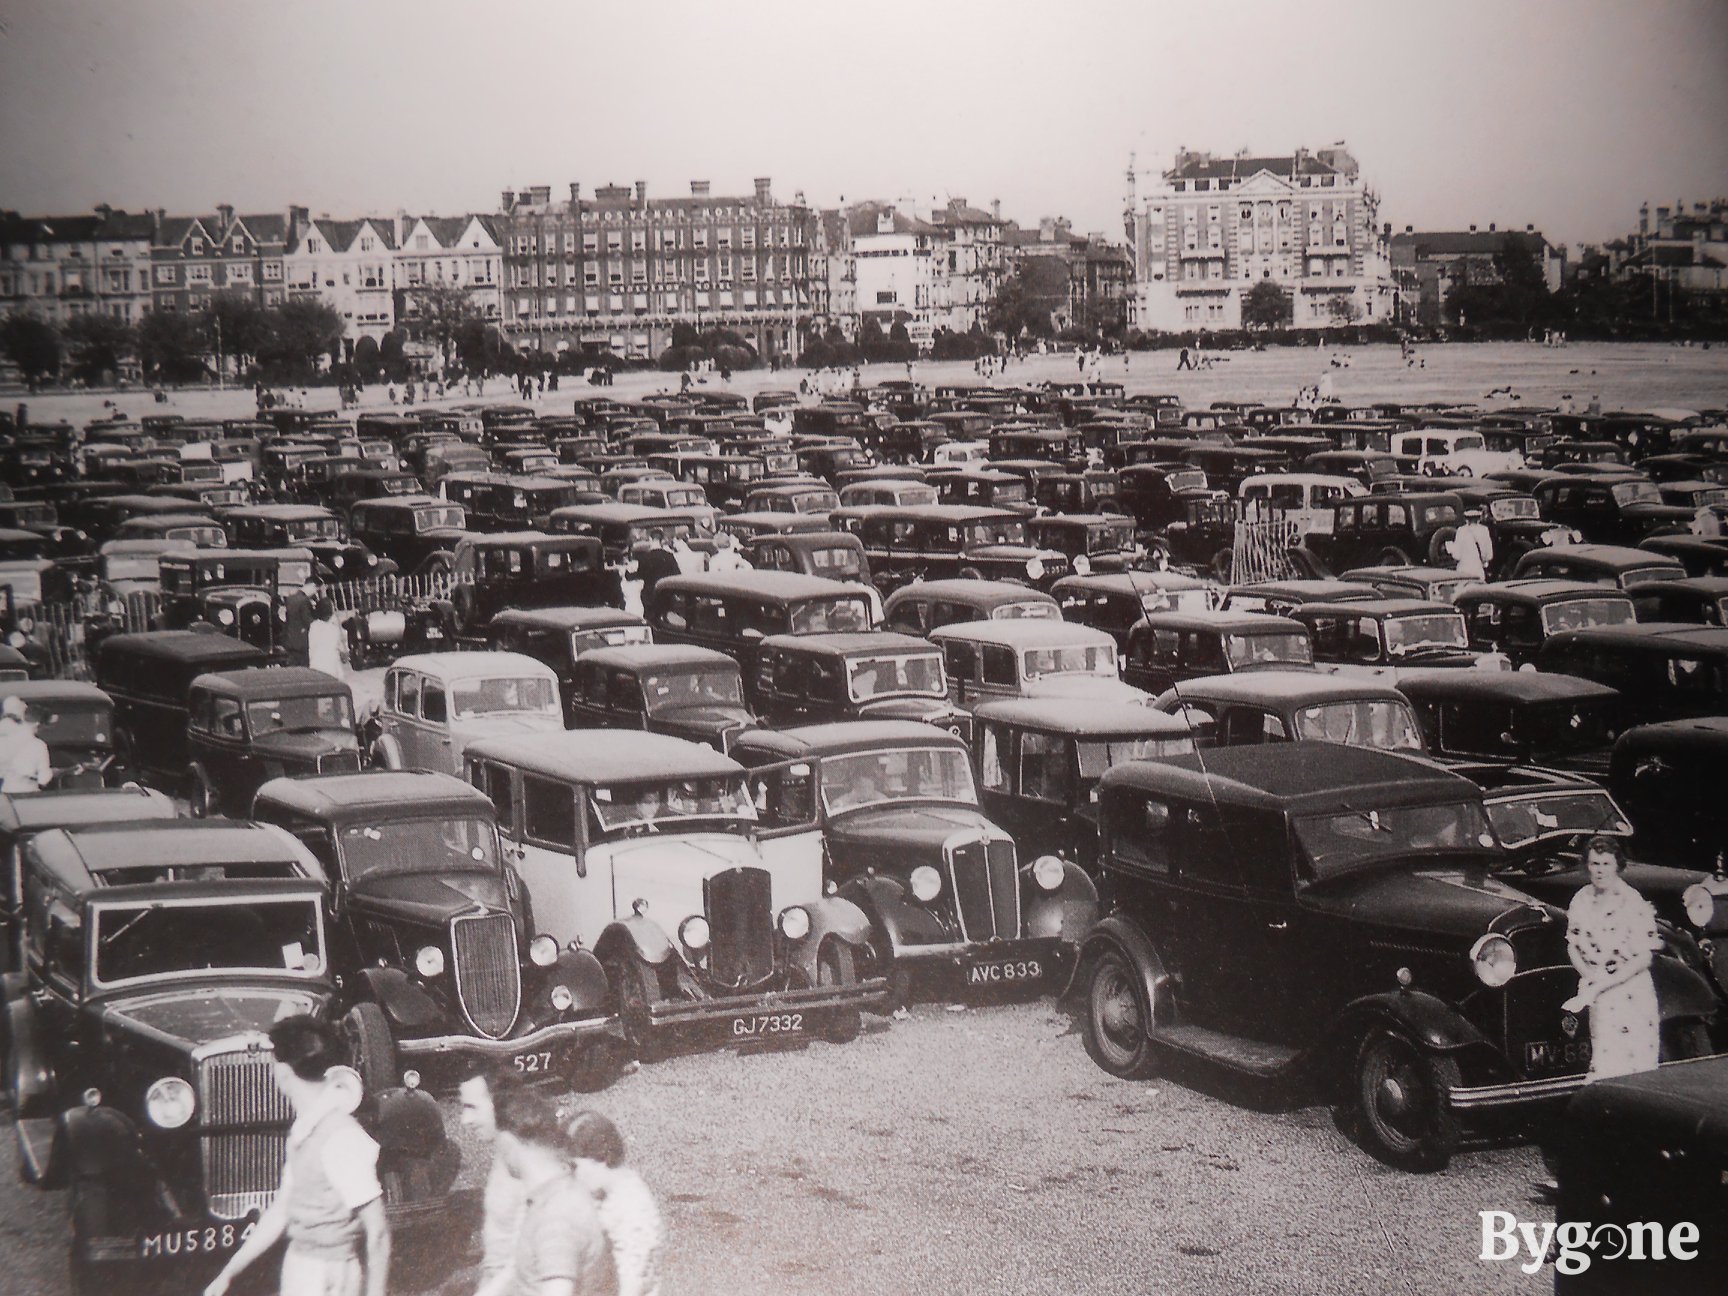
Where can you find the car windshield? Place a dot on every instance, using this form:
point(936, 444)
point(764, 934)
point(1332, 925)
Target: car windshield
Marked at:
point(836, 615)
point(1071, 659)
point(653, 806)
point(716, 686)
point(506, 694)
point(836, 562)
point(1211, 512)
point(438, 519)
point(1412, 634)
point(1026, 612)
point(313, 529)
point(1644, 575)
point(1338, 843)
point(1520, 820)
point(1361, 722)
point(418, 846)
point(897, 774)
point(143, 567)
point(1098, 755)
point(1505, 510)
point(1637, 492)
point(1586, 614)
point(815, 502)
point(1562, 727)
point(874, 677)
point(996, 531)
point(72, 724)
point(611, 637)
point(1179, 479)
point(165, 938)
point(205, 537)
point(1286, 646)
point(300, 714)
point(1109, 537)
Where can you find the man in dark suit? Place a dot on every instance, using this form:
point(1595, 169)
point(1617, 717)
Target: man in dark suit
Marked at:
point(297, 617)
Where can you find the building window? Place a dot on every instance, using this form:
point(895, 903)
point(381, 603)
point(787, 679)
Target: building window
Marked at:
point(167, 274)
point(239, 243)
point(198, 274)
point(368, 243)
point(240, 272)
point(886, 298)
point(638, 240)
point(614, 241)
point(590, 274)
point(421, 242)
point(197, 247)
point(725, 268)
point(312, 245)
point(590, 242)
point(273, 270)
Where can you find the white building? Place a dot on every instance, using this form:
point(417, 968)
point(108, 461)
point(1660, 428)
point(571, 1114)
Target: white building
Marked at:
point(1209, 229)
point(969, 263)
point(454, 252)
point(349, 265)
point(894, 261)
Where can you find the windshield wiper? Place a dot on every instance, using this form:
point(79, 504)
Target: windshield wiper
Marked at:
point(127, 926)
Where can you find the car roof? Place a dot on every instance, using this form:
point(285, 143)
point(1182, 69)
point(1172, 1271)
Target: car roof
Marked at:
point(281, 512)
point(1131, 582)
point(65, 807)
point(1081, 717)
point(772, 584)
point(1506, 686)
point(1282, 685)
point(475, 665)
point(842, 643)
point(1375, 607)
point(1411, 571)
point(1025, 632)
point(272, 681)
point(622, 512)
point(1613, 556)
point(606, 756)
point(981, 593)
point(86, 852)
point(344, 796)
point(1540, 589)
point(1298, 778)
point(566, 618)
point(639, 657)
point(1676, 634)
point(844, 736)
point(1310, 589)
point(1712, 586)
point(1219, 620)
point(183, 645)
point(37, 692)
point(497, 539)
point(1699, 732)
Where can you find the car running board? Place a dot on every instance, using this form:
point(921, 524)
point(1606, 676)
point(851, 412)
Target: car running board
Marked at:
point(1250, 1056)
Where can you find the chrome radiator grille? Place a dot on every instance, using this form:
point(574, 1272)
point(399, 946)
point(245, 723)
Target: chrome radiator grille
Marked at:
point(986, 886)
point(488, 976)
point(241, 1168)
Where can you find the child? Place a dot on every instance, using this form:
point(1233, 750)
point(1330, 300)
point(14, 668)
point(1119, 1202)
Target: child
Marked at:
point(625, 1206)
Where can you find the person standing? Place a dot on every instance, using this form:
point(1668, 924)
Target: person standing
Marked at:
point(1182, 360)
point(1706, 523)
point(503, 1196)
point(330, 1204)
point(726, 557)
point(1611, 938)
point(654, 566)
point(1473, 546)
point(25, 763)
point(297, 617)
point(626, 1207)
point(325, 644)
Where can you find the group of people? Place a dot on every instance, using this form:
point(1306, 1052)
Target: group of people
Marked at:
point(310, 633)
point(563, 1215)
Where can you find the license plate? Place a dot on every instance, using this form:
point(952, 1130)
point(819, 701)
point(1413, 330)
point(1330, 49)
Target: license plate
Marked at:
point(767, 1025)
point(533, 1063)
point(433, 632)
point(1014, 970)
point(1546, 1055)
point(212, 1239)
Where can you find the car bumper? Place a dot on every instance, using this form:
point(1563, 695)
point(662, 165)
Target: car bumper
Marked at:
point(535, 1041)
point(678, 1012)
point(1516, 1093)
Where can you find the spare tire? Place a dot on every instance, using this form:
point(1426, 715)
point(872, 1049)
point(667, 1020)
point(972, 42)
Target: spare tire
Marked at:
point(1438, 554)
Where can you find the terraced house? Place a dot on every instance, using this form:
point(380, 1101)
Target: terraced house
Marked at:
point(350, 266)
point(58, 267)
point(449, 252)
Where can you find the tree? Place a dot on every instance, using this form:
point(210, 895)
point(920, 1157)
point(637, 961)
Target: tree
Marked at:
point(391, 357)
point(32, 344)
point(480, 346)
point(238, 329)
point(1343, 310)
point(305, 329)
point(1267, 306)
point(171, 347)
point(365, 360)
point(440, 314)
point(1024, 302)
point(98, 344)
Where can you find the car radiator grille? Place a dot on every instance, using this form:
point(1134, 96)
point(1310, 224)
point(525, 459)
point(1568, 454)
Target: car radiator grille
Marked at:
point(741, 926)
point(488, 975)
point(986, 883)
point(241, 1167)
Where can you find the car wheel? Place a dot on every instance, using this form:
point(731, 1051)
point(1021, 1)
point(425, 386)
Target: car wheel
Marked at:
point(1224, 563)
point(367, 1033)
point(92, 1212)
point(200, 796)
point(835, 966)
point(1407, 1120)
point(1392, 556)
point(1118, 1017)
point(1438, 554)
point(635, 986)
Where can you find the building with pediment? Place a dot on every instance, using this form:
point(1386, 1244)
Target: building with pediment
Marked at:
point(1207, 230)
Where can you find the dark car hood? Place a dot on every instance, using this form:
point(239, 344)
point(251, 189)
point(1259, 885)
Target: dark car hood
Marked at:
point(901, 828)
point(430, 898)
point(711, 719)
point(195, 1015)
point(1649, 512)
point(307, 746)
point(927, 709)
point(1438, 901)
point(1664, 887)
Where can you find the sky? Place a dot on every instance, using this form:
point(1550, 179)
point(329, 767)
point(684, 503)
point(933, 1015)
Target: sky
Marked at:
point(1565, 114)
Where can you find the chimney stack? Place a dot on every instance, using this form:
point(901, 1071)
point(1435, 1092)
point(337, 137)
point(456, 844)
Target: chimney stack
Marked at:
point(508, 200)
point(1529, 229)
point(575, 193)
point(641, 193)
point(763, 197)
point(104, 210)
point(698, 188)
point(1491, 227)
point(1472, 229)
point(226, 212)
point(1409, 229)
point(996, 209)
point(539, 195)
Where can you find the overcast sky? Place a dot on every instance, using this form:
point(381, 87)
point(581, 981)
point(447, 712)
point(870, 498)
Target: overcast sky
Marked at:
point(1561, 113)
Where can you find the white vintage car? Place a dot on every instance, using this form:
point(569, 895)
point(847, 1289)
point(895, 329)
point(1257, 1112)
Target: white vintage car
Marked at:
point(435, 704)
point(1442, 452)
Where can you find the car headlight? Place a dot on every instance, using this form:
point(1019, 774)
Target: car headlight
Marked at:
point(543, 951)
point(926, 883)
point(336, 560)
point(429, 961)
point(795, 923)
point(1700, 904)
point(1035, 568)
point(562, 998)
point(169, 1102)
point(693, 931)
point(1082, 565)
point(1047, 872)
point(1493, 960)
point(225, 616)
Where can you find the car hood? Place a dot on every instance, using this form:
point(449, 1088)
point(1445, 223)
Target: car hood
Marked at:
point(507, 724)
point(431, 898)
point(305, 746)
point(1433, 900)
point(709, 719)
point(900, 827)
point(1085, 686)
point(195, 1015)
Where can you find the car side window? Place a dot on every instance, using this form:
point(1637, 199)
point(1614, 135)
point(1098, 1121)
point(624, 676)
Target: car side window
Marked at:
point(494, 780)
point(999, 665)
point(1397, 515)
point(1203, 650)
point(1522, 626)
point(433, 705)
point(961, 658)
point(225, 718)
point(1138, 834)
point(408, 694)
point(622, 692)
point(909, 617)
point(548, 813)
point(1044, 767)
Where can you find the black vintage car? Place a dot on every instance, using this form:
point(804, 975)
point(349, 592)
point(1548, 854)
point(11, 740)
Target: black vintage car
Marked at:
point(1669, 777)
point(1165, 648)
point(1664, 670)
point(1389, 635)
point(431, 936)
point(1116, 601)
point(1274, 706)
point(873, 675)
point(189, 580)
point(559, 635)
point(922, 606)
point(1094, 542)
point(1699, 555)
point(1698, 600)
point(1326, 914)
point(527, 569)
point(310, 527)
point(837, 555)
point(943, 887)
point(1609, 510)
point(1281, 597)
point(1612, 566)
point(1516, 617)
point(76, 721)
point(938, 541)
point(410, 530)
point(734, 612)
point(691, 693)
point(1526, 717)
point(157, 956)
point(246, 727)
point(1389, 530)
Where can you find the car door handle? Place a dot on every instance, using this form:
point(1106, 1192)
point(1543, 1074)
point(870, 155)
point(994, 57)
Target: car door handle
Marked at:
point(1280, 925)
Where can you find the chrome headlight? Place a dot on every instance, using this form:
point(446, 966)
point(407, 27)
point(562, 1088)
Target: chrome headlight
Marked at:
point(1082, 566)
point(693, 931)
point(169, 1102)
point(543, 951)
point(1047, 872)
point(1493, 960)
point(795, 923)
point(225, 616)
point(1700, 904)
point(429, 961)
point(926, 883)
point(562, 998)
point(1035, 568)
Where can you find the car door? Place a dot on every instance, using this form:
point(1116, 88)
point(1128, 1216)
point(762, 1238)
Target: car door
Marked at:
point(788, 802)
point(437, 737)
point(399, 718)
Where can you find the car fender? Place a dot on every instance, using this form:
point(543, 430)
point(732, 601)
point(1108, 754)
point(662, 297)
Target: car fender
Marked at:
point(28, 1066)
point(896, 918)
point(579, 972)
point(102, 1143)
point(1681, 991)
point(1119, 932)
point(1068, 912)
point(1430, 1021)
point(640, 935)
point(830, 916)
point(408, 1121)
point(403, 1002)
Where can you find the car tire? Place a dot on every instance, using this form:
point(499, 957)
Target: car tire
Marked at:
point(462, 600)
point(635, 986)
point(371, 1046)
point(1438, 554)
point(1399, 1095)
point(1393, 556)
point(1119, 1017)
point(835, 966)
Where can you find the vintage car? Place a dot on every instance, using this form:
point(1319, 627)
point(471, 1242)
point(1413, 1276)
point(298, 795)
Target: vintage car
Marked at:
point(1165, 648)
point(1038, 762)
point(1030, 658)
point(1431, 584)
point(887, 492)
point(650, 851)
point(1525, 717)
point(1281, 597)
point(157, 956)
point(1664, 670)
point(1514, 520)
point(1609, 510)
point(1366, 466)
point(1669, 777)
point(189, 579)
point(1116, 601)
point(982, 486)
point(149, 676)
point(1388, 636)
point(277, 526)
point(947, 540)
point(691, 693)
point(1324, 914)
point(431, 937)
point(922, 606)
point(837, 555)
point(1092, 542)
point(810, 495)
point(527, 569)
point(1516, 617)
point(1390, 531)
point(76, 721)
point(1304, 502)
point(1699, 555)
point(557, 636)
point(410, 530)
point(246, 727)
point(875, 675)
point(734, 612)
point(943, 887)
point(1435, 451)
point(1271, 706)
point(1185, 521)
point(435, 704)
point(1612, 566)
point(1698, 600)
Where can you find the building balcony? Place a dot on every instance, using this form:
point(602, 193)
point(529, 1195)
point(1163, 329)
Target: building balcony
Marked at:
point(1202, 254)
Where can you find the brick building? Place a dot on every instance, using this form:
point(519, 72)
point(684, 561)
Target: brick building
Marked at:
point(194, 257)
point(58, 267)
point(1084, 281)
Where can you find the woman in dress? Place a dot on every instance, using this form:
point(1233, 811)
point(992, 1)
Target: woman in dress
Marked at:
point(1611, 937)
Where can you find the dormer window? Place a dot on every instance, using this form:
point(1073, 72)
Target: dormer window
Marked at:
point(239, 243)
point(197, 247)
point(312, 245)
